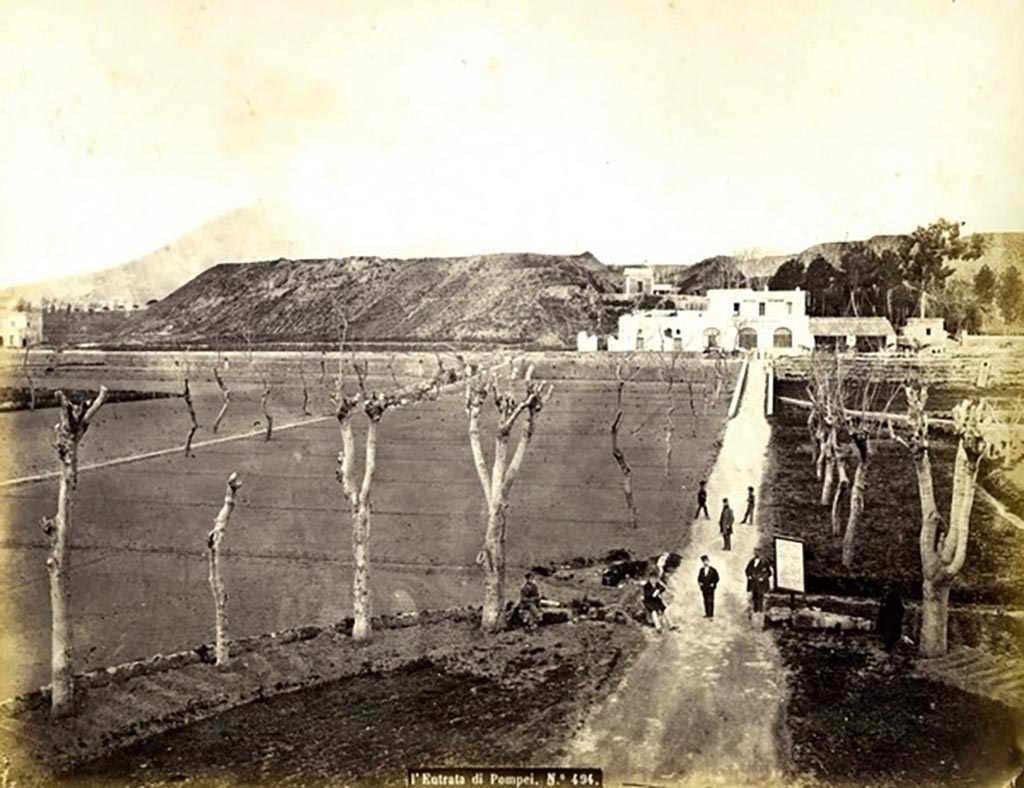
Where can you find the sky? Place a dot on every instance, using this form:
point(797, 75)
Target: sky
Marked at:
point(639, 131)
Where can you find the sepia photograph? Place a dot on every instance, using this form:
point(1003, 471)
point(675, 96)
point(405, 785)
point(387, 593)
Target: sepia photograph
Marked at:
point(512, 393)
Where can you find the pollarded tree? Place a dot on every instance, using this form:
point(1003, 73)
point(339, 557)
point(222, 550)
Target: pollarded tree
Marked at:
point(220, 595)
point(862, 430)
point(374, 405)
point(981, 436)
point(498, 480)
point(225, 394)
point(623, 376)
point(75, 419)
point(27, 371)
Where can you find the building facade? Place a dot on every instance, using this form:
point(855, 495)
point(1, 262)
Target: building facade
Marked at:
point(20, 329)
point(726, 319)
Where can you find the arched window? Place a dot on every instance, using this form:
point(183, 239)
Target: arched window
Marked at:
point(747, 338)
point(783, 337)
point(711, 337)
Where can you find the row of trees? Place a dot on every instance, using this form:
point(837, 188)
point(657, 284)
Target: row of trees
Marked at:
point(848, 416)
point(352, 394)
point(893, 279)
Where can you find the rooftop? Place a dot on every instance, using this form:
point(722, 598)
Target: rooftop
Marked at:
point(851, 326)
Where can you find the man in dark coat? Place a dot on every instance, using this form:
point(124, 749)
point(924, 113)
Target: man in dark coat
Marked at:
point(702, 501)
point(759, 575)
point(890, 618)
point(707, 579)
point(748, 516)
point(725, 524)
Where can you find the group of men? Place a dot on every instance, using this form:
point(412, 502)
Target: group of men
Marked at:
point(727, 519)
point(758, 573)
point(758, 570)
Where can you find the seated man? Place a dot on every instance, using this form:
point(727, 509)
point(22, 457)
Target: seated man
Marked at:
point(528, 609)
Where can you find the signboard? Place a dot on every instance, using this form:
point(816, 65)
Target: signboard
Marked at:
point(789, 564)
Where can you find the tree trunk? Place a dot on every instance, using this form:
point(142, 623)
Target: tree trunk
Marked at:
point(829, 476)
point(492, 615)
point(74, 421)
point(843, 482)
point(266, 413)
point(226, 395)
point(31, 381)
point(627, 472)
point(669, 429)
point(857, 491)
point(194, 425)
point(62, 636)
point(361, 627)
point(934, 618)
point(361, 601)
point(220, 596)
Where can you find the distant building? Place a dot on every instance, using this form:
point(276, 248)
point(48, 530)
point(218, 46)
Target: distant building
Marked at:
point(773, 321)
point(20, 328)
point(924, 331)
point(728, 319)
point(857, 333)
point(639, 281)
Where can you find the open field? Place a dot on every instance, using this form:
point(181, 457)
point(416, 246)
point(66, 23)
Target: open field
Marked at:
point(139, 567)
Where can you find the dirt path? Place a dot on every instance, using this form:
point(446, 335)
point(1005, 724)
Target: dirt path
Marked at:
point(703, 703)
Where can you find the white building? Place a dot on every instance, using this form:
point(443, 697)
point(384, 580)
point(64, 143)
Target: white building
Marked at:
point(925, 331)
point(20, 329)
point(732, 319)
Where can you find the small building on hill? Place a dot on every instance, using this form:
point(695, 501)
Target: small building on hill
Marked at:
point(20, 328)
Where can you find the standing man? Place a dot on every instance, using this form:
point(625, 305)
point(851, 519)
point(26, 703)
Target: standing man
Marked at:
point(702, 502)
point(748, 516)
point(707, 579)
point(759, 573)
point(725, 524)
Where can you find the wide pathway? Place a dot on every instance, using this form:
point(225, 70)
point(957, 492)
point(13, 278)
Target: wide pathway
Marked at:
point(704, 703)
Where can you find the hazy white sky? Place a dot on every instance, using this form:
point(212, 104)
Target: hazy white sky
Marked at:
point(636, 130)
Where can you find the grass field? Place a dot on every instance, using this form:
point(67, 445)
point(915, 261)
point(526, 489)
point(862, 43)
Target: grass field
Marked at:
point(139, 568)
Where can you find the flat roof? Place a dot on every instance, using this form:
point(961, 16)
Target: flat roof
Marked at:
point(851, 326)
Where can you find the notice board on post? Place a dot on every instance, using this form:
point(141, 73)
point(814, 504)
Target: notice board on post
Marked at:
point(789, 564)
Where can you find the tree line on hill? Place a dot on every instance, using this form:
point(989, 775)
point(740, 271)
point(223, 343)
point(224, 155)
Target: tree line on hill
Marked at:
point(910, 276)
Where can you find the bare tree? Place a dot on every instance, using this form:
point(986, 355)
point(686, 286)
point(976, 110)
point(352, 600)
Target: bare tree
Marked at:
point(187, 395)
point(497, 481)
point(621, 378)
point(220, 595)
point(982, 435)
point(374, 405)
point(225, 395)
point(863, 432)
point(74, 421)
point(27, 371)
point(305, 385)
point(268, 418)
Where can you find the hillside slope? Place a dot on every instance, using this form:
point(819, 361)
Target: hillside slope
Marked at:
point(514, 298)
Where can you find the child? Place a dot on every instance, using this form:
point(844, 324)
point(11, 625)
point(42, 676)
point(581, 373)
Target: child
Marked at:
point(653, 602)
